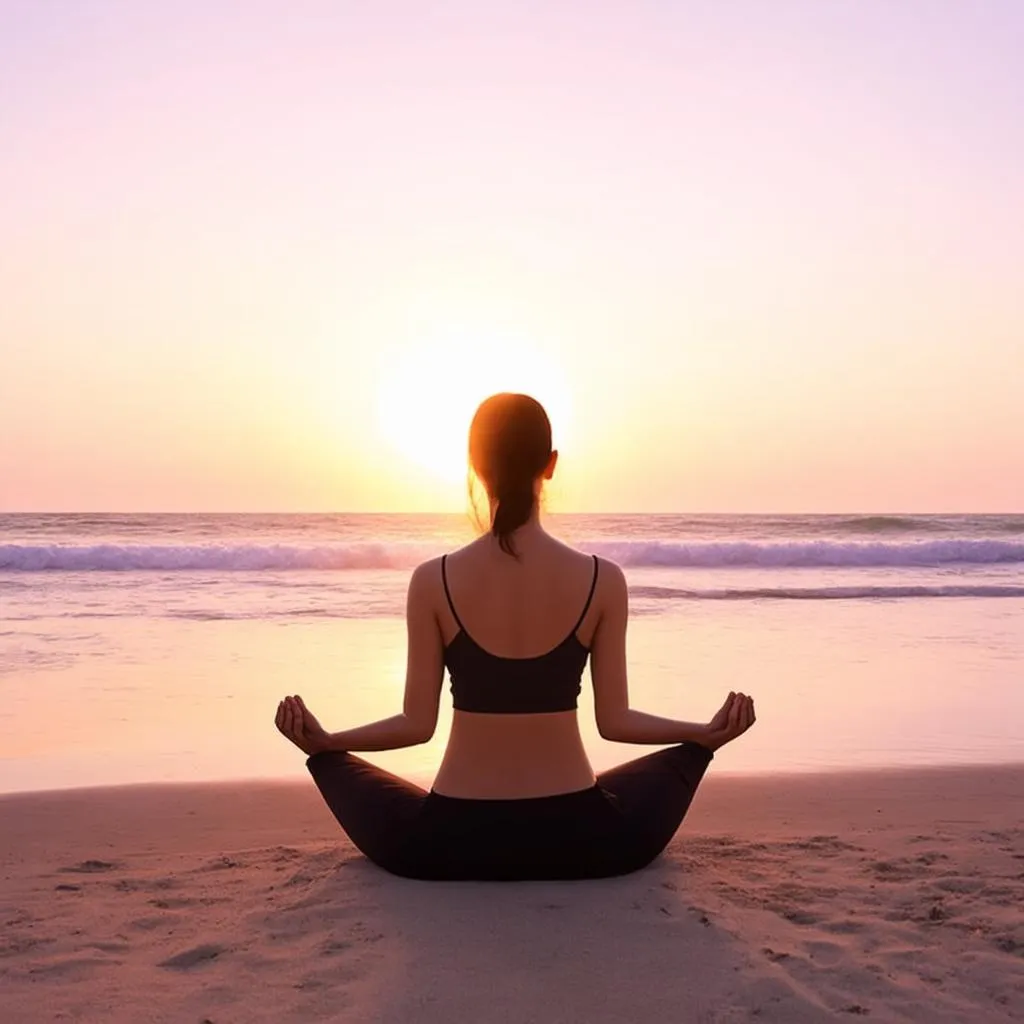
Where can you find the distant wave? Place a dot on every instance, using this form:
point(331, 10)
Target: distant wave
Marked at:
point(698, 554)
point(813, 554)
point(895, 524)
point(202, 557)
point(199, 614)
point(887, 524)
point(826, 593)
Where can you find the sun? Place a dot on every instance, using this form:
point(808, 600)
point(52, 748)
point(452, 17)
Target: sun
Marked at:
point(428, 396)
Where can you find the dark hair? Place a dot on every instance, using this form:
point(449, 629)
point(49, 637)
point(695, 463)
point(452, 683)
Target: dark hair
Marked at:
point(509, 448)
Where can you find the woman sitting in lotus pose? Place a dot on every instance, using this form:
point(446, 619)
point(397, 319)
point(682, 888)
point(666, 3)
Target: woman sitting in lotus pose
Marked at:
point(514, 617)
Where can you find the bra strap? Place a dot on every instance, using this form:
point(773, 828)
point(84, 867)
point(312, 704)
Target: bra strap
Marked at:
point(590, 597)
point(447, 593)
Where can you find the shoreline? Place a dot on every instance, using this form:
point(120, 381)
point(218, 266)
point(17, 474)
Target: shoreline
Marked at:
point(790, 897)
point(740, 775)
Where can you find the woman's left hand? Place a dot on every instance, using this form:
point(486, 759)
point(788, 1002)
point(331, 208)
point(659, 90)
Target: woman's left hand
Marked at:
point(297, 723)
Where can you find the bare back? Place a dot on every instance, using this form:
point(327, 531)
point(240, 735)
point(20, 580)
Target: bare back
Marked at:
point(516, 609)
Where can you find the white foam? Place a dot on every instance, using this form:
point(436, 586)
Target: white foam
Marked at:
point(393, 555)
point(819, 554)
point(204, 557)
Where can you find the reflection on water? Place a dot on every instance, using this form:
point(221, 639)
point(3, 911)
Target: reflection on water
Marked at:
point(838, 684)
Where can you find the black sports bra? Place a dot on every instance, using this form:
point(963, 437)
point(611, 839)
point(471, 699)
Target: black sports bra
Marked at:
point(485, 682)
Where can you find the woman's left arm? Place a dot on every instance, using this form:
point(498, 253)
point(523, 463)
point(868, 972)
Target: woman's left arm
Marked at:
point(424, 675)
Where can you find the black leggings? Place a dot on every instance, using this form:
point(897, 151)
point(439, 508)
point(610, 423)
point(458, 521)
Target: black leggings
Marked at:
point(619, 825)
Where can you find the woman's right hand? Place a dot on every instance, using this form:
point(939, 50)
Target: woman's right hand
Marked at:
point(731, 720)
point(296, 722)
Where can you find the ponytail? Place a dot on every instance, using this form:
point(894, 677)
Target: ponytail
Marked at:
point(509, 448)
point(513, 505)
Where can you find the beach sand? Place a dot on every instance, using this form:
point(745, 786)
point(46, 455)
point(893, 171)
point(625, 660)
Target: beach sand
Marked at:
point(889, 895)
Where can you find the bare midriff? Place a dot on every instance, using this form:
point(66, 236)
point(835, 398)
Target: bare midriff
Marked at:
point(510, 757)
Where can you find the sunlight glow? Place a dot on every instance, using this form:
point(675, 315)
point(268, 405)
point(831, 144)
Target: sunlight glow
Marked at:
point(427, 399)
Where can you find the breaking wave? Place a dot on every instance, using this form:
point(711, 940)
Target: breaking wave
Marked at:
point(397, 555)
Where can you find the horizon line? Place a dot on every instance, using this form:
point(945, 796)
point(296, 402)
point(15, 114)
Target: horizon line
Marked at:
point(395, 512)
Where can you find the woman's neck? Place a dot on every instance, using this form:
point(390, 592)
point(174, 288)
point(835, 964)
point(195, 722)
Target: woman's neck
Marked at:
point(530, 535)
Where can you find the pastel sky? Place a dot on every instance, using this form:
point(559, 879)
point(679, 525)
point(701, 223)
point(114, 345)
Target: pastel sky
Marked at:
point(756, 256)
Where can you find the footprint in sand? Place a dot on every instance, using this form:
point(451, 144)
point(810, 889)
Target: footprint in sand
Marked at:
point(334, 946)
point(995, 837)
point(824, 846)
point(148, 924)
point(959, 884)
point(220, 863)
point(901, 869)
point(794, 914)
point(88, 867)
point(171, 904)
point(177, 903)
point(193, 957)
point(844, 927)
point(301, 878)
point(146, 884)
point(1000, 895)
point(111, 947)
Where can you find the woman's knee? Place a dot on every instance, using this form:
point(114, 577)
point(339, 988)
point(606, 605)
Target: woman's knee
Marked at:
point(328, 758)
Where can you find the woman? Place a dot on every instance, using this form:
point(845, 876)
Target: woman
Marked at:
point(514, 616)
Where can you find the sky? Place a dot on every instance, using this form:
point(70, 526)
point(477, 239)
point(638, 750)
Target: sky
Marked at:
point(754, 256)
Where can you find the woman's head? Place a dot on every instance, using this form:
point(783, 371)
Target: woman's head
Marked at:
point(510, 451)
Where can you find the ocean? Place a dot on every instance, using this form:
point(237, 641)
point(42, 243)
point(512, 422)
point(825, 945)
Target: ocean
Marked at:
point(137, 648)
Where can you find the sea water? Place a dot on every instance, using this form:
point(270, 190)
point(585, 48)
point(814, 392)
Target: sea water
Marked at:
point(155, 647)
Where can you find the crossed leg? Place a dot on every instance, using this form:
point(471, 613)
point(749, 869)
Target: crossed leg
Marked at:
point(379, 811)
point(654, 793)
point(376, 809)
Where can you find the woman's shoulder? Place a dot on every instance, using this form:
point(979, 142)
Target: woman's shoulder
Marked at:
point(427, 575)
point(609, 579)
point(433, 568)
point(610, 574)
point(606, 566)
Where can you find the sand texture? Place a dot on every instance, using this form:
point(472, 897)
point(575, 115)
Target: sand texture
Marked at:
point(889, 896)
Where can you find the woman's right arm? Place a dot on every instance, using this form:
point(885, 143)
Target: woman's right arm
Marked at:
point(616, 720)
